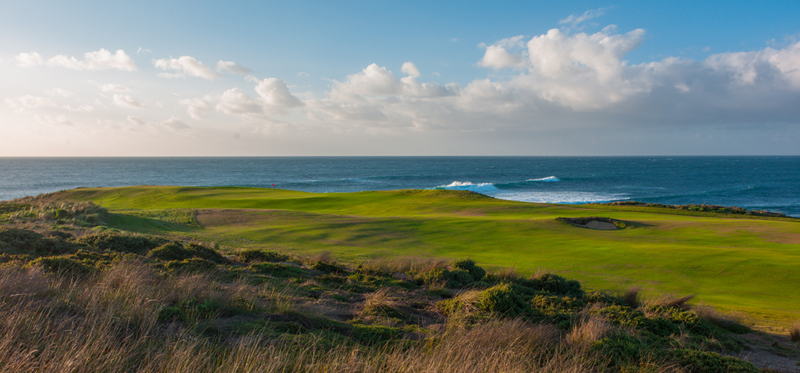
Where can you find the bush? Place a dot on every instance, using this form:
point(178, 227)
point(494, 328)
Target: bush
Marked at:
point(453, 279)
point(191, 265)
point(553, 284)
point(709, 362)
point(176, 251)
point(64, 266)
point(279, 270)
point(794, 334)
point(468, 265)
point(328, 267)
point(23, 241)
point(171, 251)
point(203, 252)
point(122, 242)
point(249, 256)
point(502, 300)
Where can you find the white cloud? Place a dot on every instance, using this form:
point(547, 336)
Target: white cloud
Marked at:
point(185, 66)
point(59, 120)
point(197, 106)
point(276, 96)
point(236, 102)
point(28, 102)
point(97, 60)
point(114, 88)
point(410, 69)
point(232, 67)
point(303, 73)
point(59, 92)
point(127, 101)
point(174, 123)
point(134, 120)
point(575, 19)
point(79, 109)
point(376, 80)
point(29, 59)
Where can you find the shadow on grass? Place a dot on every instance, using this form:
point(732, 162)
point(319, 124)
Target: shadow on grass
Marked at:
point(147, 225)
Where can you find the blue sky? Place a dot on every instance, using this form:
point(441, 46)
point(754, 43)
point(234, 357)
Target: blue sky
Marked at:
point(399, 78)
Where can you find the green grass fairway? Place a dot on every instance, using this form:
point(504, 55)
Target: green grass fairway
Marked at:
point(734, 263)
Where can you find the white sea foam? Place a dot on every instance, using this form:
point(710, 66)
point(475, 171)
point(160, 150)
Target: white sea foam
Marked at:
point(560, 197)
point(466, 185)
point(546, 179)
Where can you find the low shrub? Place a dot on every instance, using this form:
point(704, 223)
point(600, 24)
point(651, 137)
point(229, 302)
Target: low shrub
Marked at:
point(191, 265)
point(249, 256)
point(468, 265)
point(64, 266)
point(125, 243)
point(709, 362)
point(328, 267)
point(502, 300)
point(176, 251)
point(279, 270)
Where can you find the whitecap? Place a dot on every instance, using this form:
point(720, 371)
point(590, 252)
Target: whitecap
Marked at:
point(466, 185)
point(550, 179)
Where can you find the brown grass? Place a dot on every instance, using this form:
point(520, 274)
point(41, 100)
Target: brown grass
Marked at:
point(631, 297)
point(408, 264)
point(794, 333)
point(670, 301)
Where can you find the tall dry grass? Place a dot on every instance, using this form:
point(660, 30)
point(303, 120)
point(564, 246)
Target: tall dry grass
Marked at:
point(109, 323)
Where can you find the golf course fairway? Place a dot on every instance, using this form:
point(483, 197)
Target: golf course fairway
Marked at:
point(735, 263)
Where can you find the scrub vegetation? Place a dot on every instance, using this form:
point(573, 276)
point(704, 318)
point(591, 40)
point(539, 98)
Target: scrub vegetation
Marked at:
point(197, 290)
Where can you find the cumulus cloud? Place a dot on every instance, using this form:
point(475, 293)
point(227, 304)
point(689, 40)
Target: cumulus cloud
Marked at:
point(185, 66)
point(273, 98)
point(97, 60)
point(174, 123)
point(377, 80)
point(113, 88)
point(497, 55)
point(127, 101)
point(79, 109)
point(29, 59)
point(59, 92)
point(232, 67)
point(59, 120)
point(134, 120)
point(196, 107)
point(276, 96)
point(410, 69)
point(29, 102)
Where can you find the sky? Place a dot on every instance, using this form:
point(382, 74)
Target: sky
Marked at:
point(368, 78)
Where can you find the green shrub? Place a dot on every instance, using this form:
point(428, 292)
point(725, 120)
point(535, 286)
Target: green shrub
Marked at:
point(468, 265)
point(249, 256)
point(64, 266)
point(328, 267)
point(171, 251)
point(23, 241)
point(620, 349)
point(279, 270)
point(502, 300)
point(125, 243)
point(191, 265)
point(202, 252)
point(453, 279)
point(176, 251)
point(709, 362)
point(554, 284)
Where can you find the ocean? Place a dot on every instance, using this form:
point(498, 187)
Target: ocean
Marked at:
point(761, 183)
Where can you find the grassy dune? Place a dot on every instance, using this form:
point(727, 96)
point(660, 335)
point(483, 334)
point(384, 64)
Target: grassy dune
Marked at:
point(742, 264)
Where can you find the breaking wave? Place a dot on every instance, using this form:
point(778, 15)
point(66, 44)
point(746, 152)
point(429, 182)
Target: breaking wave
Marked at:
point(551, 179)
point(466, 185)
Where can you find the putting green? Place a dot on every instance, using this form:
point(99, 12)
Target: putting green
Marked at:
point(731, 262)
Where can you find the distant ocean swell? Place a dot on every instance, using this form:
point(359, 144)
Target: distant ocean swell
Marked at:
point(511, 191)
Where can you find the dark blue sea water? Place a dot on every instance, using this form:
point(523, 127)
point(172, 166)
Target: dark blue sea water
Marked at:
point(764, 183)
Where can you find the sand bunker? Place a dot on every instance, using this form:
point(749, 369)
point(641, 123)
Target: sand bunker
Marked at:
point(599, 223)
